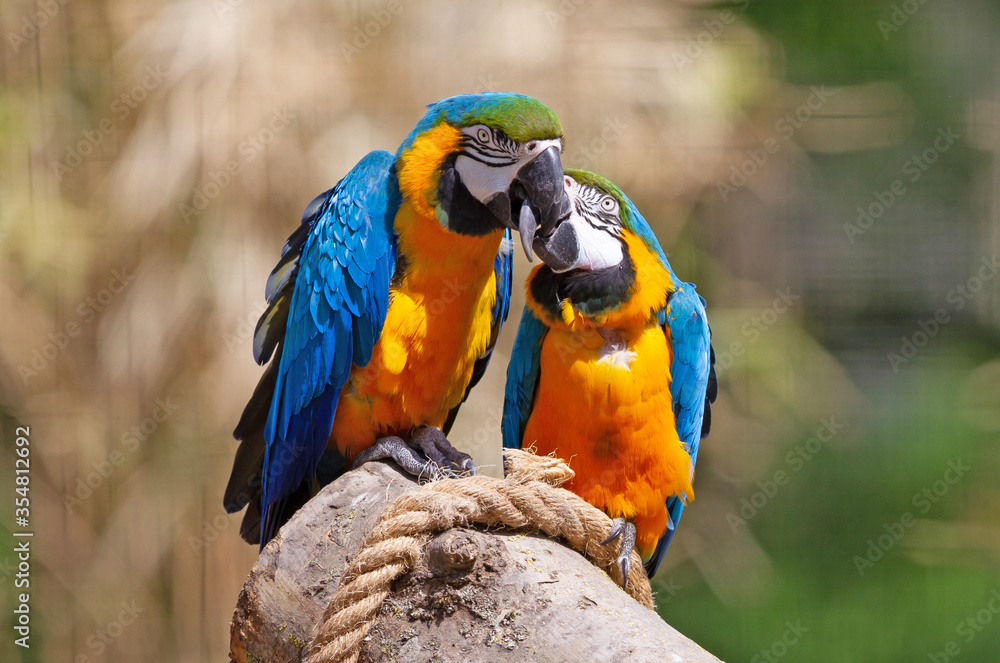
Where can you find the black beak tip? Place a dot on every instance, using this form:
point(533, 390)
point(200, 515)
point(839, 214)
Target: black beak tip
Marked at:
point(559, 211)
point(542, 181)
point(560, 251)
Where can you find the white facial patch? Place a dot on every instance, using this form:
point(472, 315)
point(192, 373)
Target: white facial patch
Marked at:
point(503, 161)
point(598, 248)
point(483, 180)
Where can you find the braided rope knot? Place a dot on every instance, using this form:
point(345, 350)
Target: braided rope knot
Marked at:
point(529, 497)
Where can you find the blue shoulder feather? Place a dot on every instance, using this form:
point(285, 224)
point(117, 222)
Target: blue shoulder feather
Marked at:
point(337, 307)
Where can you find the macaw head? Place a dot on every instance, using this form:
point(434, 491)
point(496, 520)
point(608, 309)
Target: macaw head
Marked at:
point(482, 162)
point(601, 257)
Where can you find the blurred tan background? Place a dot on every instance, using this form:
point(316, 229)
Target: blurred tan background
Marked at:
point(154, 156)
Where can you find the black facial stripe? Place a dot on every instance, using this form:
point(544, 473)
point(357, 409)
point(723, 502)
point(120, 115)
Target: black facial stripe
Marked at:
point(599, 220)
point(588, 205)
point(500, 145)
point(504, 142)
point(482, 158)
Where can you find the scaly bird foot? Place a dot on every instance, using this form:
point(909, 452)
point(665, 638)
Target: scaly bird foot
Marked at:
point(393, 448)
point(441, 456)
point(437, 448)
point(626, 530)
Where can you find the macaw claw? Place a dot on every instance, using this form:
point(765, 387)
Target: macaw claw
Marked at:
point(432, 441)
point(438, 453)
point(626, 530)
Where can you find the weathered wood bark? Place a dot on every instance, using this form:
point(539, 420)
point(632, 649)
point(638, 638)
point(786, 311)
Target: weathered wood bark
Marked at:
point(475, 596)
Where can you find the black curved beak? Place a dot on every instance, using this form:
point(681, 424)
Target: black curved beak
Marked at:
point(561, 250)
point(545, 201)
point(542, 178)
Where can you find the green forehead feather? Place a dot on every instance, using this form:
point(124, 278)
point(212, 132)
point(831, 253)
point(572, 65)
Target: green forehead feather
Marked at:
point(520, 117)
point(602, 184)
point(631, 218)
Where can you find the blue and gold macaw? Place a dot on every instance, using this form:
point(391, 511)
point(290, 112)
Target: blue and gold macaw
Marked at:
point(386, 303)
point(613, 368)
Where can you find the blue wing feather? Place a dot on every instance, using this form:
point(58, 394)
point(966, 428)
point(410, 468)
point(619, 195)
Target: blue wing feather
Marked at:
point(692, 388)
point(522, 376)
point(503, 269)
point(338, 306)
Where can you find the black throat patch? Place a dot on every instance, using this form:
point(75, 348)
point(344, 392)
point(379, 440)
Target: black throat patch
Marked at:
point(466, 215)
point(591, 292)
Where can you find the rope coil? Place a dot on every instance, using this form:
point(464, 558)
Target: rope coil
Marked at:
point(529, 497)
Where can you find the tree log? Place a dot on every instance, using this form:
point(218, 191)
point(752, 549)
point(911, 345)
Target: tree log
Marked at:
point(475, 595)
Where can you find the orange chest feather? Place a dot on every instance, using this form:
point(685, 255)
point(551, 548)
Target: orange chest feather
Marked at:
point(438, 324)
point(603, 403)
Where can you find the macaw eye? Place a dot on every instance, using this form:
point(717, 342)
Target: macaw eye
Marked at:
point(609, 204)
point(484, 135)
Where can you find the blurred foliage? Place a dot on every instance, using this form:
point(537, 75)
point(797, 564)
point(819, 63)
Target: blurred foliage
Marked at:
point(122, 304)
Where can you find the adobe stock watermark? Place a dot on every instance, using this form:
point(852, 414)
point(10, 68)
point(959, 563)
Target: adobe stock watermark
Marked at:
point(489, 429)
point(754, 328)
point(121, 107)
point(245, 329)
point(714, 27)
point(7, 569)
point(86, 313)
point(378, 20)
point(791, 637)
point(785, 128)
point(913, 168)
point(923, 501)
point(958, 297)
point(968, 629)
point(795, 461)
point(487, 84)
point(31, 24)
point(210, 531)
point(584, 155)
point(901, 13)
point(666, 590)
point(223, 7)
point(562, 12)
point(248, 150)
point(101, 639)
point(129, 443)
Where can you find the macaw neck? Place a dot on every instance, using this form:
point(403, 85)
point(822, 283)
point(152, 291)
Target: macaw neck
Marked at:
point(626, 296)
point(419, 166)
point(422, 242)
point(430, 183)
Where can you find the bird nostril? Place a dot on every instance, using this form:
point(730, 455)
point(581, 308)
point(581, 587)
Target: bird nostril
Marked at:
point(532, 146)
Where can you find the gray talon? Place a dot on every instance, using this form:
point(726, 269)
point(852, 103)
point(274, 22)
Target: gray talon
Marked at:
point(393, 448)
point(626, 530)
point(440, 455)
point(617, 527)
point(436, 446)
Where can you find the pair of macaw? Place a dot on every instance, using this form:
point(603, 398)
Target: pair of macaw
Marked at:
point(386, 304)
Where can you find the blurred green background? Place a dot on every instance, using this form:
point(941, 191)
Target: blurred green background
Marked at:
point(826, 171)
